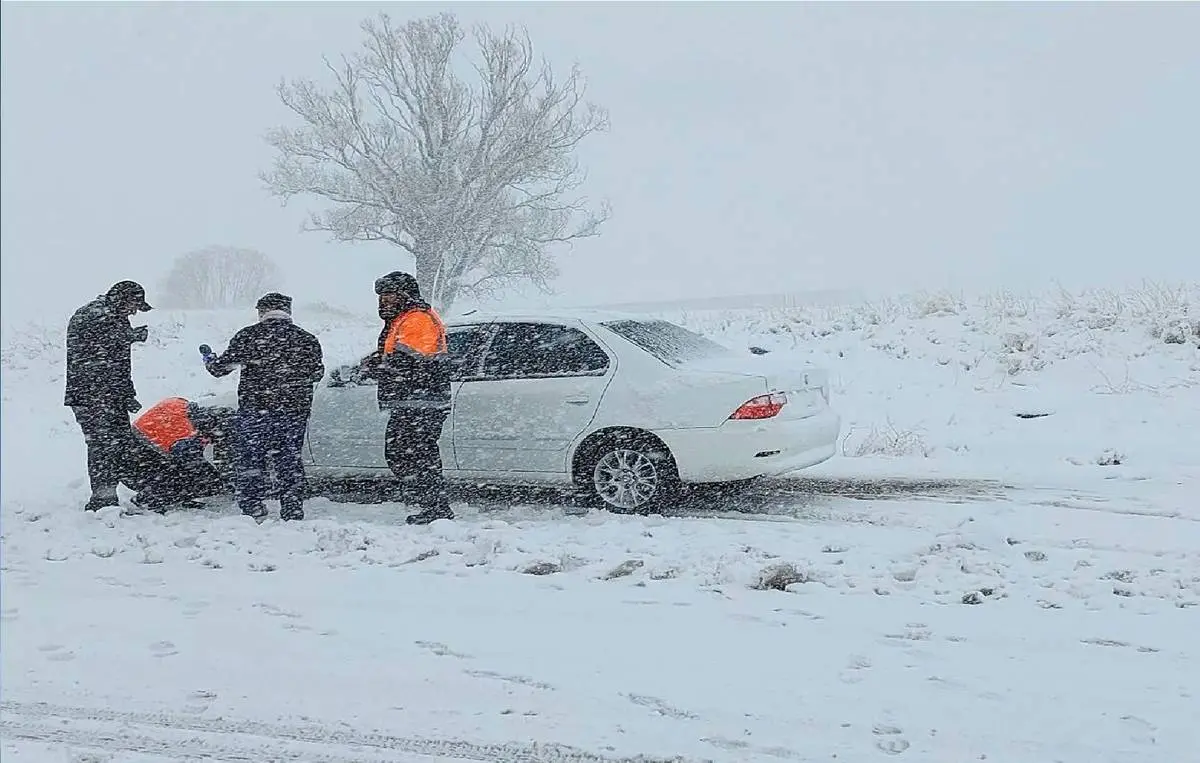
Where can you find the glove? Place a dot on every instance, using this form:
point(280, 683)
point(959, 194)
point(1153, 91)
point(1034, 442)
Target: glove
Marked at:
point(140, 334)
point(207, 353)
point(134, 406)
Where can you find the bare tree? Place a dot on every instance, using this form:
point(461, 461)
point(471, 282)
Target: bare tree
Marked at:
point(476, 180)
point(219, 276)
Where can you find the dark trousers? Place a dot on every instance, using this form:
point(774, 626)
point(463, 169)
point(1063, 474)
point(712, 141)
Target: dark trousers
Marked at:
point(411, 449)
point(143, 463)
point(266, 441)
point(109, 438)
point(181, 475)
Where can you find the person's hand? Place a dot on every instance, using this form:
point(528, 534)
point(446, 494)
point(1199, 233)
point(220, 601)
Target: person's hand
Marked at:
point(140, 333)
point(134, 406)
point(207, 353)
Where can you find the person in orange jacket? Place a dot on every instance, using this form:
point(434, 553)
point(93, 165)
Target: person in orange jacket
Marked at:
point(412, 370)
point(171, 466)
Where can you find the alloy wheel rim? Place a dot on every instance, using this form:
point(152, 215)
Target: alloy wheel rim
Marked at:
point(626, 478)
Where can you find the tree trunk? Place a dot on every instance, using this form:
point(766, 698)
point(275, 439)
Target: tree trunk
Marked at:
point(437, 289)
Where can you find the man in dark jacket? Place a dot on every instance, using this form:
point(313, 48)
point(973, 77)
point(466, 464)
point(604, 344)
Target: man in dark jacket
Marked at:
point(280, 363)
point(99, 389)
point(412, 370)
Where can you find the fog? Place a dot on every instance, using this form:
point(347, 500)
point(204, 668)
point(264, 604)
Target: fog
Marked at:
point(754, 148)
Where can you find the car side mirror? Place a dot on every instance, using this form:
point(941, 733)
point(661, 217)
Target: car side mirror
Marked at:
point(755, 349)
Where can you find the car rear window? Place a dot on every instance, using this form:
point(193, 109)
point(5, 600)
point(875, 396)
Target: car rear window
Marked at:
point(672, 344)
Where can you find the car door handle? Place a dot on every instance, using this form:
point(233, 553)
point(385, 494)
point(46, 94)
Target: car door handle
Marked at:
point(578, 400)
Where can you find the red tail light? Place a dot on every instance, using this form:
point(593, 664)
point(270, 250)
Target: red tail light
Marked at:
point(761, 407)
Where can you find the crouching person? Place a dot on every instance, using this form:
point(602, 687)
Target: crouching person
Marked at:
point(170, 466)
point(280, 362)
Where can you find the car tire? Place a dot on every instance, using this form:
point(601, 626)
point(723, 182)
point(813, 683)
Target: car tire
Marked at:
point(628, 473)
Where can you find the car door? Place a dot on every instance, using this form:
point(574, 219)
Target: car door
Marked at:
point(346, 427)
point(465, 344)
point(537, 389)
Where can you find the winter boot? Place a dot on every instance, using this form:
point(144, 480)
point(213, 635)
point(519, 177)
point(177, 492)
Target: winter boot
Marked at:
point(102, 500)
point(146, 501)
point(258, 513)
point(430, 515)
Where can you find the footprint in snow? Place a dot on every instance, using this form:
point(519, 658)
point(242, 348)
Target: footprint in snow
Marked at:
point(192, 609)
point(56, 652)
point(889, 740)
point(853, 672)
point(275, 611)
point(199, 701)
point(512, 679)
point(163, 649)
point(660, 707)
point(741, 747)
point(441, 650)
point(800, 613)
point(892, 746)
point(1140, 729)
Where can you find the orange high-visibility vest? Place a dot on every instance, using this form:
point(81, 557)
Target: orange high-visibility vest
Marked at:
point(419, 330)
point(166, 423)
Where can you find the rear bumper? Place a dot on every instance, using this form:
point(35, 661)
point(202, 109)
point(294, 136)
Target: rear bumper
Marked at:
point(739, 450)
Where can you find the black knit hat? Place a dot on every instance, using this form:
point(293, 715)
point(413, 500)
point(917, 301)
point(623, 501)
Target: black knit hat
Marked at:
point(398, 282)
point(274, 301)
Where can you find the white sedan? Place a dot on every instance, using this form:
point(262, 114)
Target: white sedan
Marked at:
point(626, 409)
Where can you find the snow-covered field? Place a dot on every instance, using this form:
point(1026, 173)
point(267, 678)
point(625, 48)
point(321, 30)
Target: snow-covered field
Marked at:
point(1002, 564)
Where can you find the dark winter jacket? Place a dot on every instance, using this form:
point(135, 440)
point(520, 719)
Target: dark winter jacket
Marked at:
point(411, 365)
point(99, 372)
point(280, 364)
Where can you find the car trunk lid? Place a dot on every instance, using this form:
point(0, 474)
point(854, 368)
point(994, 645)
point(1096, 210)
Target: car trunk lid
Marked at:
point(806, 386)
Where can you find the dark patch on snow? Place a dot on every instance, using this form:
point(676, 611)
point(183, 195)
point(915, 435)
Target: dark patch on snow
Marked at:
point(623, 569)
point(778, 577)
point(543, 568)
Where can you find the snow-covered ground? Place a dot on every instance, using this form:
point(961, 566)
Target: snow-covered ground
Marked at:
point(1002, 564)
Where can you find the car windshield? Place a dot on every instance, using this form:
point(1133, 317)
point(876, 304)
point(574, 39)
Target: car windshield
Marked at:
point(672, 344)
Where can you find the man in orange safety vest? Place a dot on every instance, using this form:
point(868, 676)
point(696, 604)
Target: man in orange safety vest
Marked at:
point(412, 370)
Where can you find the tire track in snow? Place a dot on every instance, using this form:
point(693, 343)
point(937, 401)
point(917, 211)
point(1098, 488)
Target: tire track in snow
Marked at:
point(227, 739)
point(799, 493)
point(1075, 502)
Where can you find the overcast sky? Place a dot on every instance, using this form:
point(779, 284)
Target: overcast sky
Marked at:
point(754, 147)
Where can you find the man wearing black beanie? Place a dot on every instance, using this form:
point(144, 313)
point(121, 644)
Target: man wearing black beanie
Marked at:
point(410, 365)
point(280, 363)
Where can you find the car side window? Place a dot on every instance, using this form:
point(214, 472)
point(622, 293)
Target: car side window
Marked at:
point(538, 350)
point(464, 345)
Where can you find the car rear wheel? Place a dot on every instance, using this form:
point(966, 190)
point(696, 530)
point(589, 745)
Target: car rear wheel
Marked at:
point(630, 475)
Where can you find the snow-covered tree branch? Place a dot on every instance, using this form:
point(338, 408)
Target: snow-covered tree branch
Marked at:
point(475, 177)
